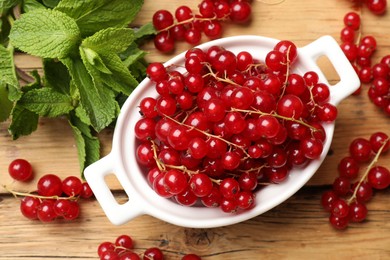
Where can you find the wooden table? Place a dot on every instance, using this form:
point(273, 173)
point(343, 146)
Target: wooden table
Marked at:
point(298, 228)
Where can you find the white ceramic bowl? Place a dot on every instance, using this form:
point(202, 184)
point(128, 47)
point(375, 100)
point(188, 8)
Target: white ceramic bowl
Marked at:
point(121, 161)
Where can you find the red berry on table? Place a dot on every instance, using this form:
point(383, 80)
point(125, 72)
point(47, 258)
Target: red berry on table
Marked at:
point(162, 19)
point(86, 191)
point(49, 185)
point(20, 170)
point(240, 11)
point(72, 186)
point(46, 212)
point(352, 20)
point(377, 6)
point(153, 253)
point(379, 177)
point(124, 241)
point(29, 207)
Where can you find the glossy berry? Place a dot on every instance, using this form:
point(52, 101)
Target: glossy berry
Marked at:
point(379, 177)
point(162, 19)
point(153, 253)
point(240, 11)
point(29, 207)
point(46, 211)
point(124, 241)
point(49, 185)
point(20, 170)
point(360, 149)
point(357, 212)
point(72, 186)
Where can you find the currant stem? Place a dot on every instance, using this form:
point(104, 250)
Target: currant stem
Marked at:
point(369, 167)
point(160, 165)
point(275, 115)
point(225, 79)
point(288, 71)
point(182, 168)
point(27, 194)
point(193, 19)
point(208, 134)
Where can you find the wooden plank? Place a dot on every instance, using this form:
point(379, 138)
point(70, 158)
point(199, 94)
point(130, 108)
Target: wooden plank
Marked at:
point(295, 229)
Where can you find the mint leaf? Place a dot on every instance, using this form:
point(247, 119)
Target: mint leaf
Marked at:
point(5, 103)
point(8, 73)
point(121, 78)
point(56, 76)
point(31, 5)
point(132, 55)
point(7, 4)
point(145, 30)
point(24, 122)
point(95, 15)
point(45, 33)
point(98, 101)
point(94, 59)
point(46, 102)
point(110, 40)
point(88, 146)
point(50, 3)
point(82, 114)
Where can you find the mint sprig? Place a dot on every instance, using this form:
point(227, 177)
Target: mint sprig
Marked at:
point(91, 63)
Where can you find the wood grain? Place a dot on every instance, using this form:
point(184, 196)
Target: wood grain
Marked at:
point(296, 229)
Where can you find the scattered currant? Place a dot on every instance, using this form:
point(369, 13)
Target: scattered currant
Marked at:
point(54, 198)
point(186, 25)
point(350, 192)
point(20, 170)
point(377, 7)
point(360, 49)
point(123, 249)
point(226, 124)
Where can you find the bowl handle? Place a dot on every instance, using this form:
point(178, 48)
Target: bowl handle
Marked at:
point(116, 213)
point(327, 46)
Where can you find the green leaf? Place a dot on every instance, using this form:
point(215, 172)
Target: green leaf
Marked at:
point(132, 55)
point(24, 122)
point(56, 76)
point(7, 72)
point(45, 33)
point(98, 101)
point(94, 59)
point(120, 79)
point(5, 103)
point(110, 40)
point(145, 30)
point(7, 4)
point(31, 5)
point(121, 76)
point(5, 27)
point(82, 114)
point(46, 102)
point(50, 3)
point(95, 15)
point(88, 146)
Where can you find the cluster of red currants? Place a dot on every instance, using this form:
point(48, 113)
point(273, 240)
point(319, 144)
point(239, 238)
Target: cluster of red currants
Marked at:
point(184, 25)
point(360, 55)
point(228, 122)
point(346, 201)
point(377, 7)
point(53, 198)
point(123, 249)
